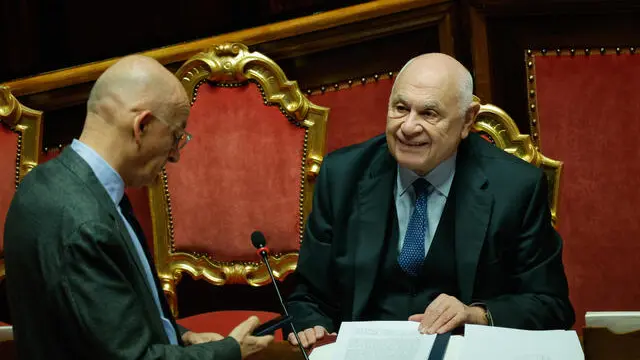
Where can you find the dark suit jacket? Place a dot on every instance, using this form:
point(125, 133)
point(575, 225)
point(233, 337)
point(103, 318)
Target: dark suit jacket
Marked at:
point(509, 257)
point(74, 280)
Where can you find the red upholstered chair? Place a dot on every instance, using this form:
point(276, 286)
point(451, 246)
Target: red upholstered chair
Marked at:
point(585, 109)
point(20, 143)
point(257, 145)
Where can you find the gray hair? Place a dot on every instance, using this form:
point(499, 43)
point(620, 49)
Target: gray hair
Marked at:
point(465, 95)
point(465, 86)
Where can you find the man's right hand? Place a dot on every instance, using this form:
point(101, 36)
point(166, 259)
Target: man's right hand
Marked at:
point(309, 336)
point(250, 344)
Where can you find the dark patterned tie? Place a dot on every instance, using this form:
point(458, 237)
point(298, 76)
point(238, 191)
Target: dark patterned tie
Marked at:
point(412, 253)
point(127, 211)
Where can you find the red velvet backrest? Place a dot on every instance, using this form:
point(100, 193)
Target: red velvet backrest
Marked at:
point(240, 173)
point(20, 144)
point(257, 145)
point(586, 112)
point(8, 173)
point(358, 110)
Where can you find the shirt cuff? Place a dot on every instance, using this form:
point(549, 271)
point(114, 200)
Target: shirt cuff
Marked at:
point(487, 313)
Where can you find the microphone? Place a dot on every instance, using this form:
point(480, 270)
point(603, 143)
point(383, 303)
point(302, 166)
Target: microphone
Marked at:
point(260, 243)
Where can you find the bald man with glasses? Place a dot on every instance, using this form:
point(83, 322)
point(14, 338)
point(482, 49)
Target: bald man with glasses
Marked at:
point(80, 279)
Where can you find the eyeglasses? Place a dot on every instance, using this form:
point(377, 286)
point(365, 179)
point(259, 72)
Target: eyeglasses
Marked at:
point(182, 139)
point(181, 136)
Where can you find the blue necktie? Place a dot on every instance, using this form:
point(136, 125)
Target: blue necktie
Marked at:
point(412, 253)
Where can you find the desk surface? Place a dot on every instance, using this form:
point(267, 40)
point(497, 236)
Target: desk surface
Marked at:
point(278, 350)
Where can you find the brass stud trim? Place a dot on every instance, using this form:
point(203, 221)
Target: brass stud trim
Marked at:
point(531, 88)
point(529, 57)
point(345, 84)
point(530, 54)
point(18, 156)
point(18, 151)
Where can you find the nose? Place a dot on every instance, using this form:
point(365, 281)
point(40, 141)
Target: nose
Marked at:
point(411, 126)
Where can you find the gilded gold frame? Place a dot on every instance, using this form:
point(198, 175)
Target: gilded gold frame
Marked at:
point(232, 64)
point(27, 123)
point(496, 123)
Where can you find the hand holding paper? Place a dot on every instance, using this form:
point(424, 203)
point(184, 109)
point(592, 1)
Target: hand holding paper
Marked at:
point(446, 313)
point(309, 336)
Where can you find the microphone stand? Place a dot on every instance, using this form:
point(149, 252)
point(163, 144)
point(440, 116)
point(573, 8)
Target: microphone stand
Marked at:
point(263, 254)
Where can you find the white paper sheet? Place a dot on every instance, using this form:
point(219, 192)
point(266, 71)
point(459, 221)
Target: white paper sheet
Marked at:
point(616, 321)
point(454, 347)
point(381, 340)
point(324, 352)
point(6, 333)
point(495, 343)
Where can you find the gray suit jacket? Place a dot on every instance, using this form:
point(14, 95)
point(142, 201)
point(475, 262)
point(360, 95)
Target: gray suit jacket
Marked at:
point(75, 284)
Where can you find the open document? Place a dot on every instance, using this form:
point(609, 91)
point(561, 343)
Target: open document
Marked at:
point(379, 340)
point(495, 343)
point(401, 340)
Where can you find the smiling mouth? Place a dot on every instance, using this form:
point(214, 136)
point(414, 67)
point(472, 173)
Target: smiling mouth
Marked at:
point(413, 144)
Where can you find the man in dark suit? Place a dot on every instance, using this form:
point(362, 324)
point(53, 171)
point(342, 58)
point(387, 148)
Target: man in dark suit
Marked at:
point(430, 223)
point(81, 282)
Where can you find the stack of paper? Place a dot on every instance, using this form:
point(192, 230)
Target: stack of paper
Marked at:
point(495, 343)
point(6, 333)
point(616, 321)
point(379, 340)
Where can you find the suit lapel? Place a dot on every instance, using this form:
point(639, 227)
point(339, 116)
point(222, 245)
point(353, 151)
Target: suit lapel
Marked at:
point(374, 202)
point(81, 169)
point(473, 211)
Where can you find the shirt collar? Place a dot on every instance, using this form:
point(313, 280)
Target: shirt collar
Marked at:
point(441, 177)
point(108, 177)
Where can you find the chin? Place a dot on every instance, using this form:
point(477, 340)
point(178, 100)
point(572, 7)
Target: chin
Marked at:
point(410, 162)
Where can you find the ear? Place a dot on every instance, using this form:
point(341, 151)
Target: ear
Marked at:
point(140, 123)
point(470, 118)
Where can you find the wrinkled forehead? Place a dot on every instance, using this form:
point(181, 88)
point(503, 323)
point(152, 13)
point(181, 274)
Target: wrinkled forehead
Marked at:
point(181, 114)
point(178, 106)
point(432, 84)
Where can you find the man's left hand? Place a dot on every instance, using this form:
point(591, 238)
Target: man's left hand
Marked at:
point(446, 313)
point(192, 338)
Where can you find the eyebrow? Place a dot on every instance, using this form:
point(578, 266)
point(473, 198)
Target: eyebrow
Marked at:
point(429, 104)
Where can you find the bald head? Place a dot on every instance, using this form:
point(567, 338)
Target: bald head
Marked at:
point(136, 115)
point(133, 83)
point(451, 74)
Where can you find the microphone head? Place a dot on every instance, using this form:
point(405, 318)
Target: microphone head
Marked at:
point(258, 240)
